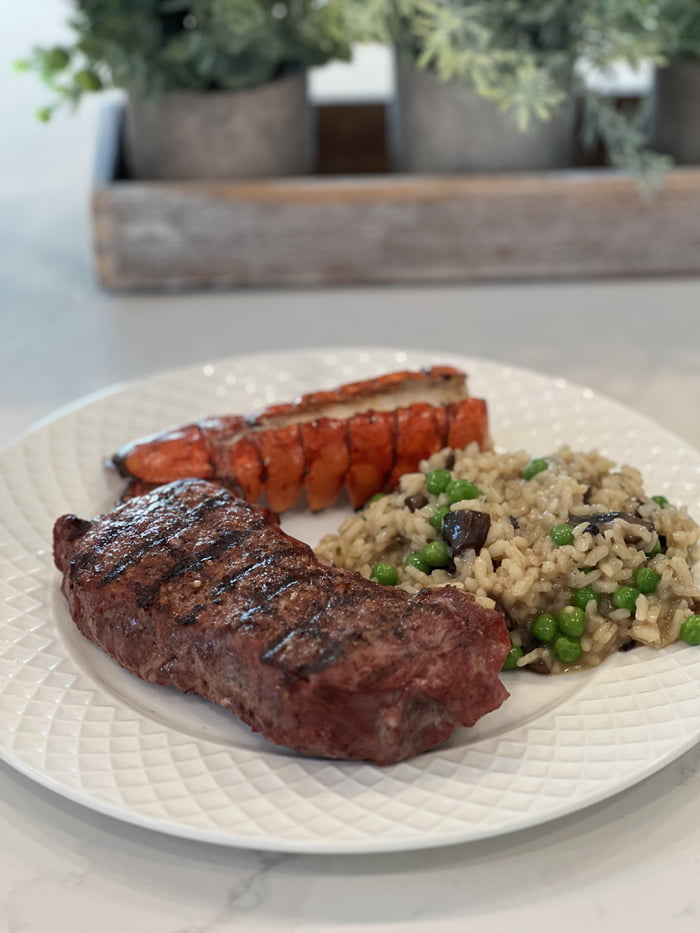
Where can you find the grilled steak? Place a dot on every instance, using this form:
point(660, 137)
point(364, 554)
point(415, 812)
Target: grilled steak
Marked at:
point(192, 587)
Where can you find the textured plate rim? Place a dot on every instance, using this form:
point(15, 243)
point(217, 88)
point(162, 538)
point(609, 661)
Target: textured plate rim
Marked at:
point(319, 845)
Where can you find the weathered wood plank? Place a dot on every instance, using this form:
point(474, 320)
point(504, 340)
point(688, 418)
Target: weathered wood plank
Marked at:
point(373, 229)
point(407, 229)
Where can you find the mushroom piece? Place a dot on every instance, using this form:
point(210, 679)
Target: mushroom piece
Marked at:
point(416, 501)
point(466, 529)
point(606, 518)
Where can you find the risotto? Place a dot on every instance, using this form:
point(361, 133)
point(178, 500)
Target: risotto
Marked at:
point(570, 547)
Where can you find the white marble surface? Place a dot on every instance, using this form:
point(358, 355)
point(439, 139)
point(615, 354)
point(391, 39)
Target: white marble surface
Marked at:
point(631, 862)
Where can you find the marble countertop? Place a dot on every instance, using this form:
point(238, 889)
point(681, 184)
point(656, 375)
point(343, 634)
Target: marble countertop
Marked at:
point(630, 862)
point(633, 858)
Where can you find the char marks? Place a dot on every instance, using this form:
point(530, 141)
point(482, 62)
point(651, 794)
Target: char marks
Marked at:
point(193, 588)
point(186, 563)
point(178, 521)
point(191, 616)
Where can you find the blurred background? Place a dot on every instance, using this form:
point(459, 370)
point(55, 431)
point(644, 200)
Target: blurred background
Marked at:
point(548, 197)
point(186, 181)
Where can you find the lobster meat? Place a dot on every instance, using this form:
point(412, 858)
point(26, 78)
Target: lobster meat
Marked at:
point(363, 435)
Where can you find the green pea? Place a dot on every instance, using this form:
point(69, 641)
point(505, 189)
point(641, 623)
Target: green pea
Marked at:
point(512, 658)
point(436, 554)
point(567, 650)
point(656, 549)
point(690, 630)
point(661, 501)
point(436, 481)
point(562, 534)
point(384, 574)
point(572, 621)
point(583, 596)
point(87, 80)
point(438, 515)
point(625, 597)
point(646, 580)
point(416, 560)
point(545, 627)
point(459, 489)
point(375, 498)
point(534, 467)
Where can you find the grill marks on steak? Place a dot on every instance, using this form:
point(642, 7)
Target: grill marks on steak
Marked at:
point(191, 587)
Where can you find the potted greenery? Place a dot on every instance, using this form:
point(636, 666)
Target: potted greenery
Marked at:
point(216, 88)
point(676, 124)
point(479, 88)
point(484, 85)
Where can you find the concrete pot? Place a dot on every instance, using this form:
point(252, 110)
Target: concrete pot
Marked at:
point(445, 127)
point(676, 121)
point(261, 132)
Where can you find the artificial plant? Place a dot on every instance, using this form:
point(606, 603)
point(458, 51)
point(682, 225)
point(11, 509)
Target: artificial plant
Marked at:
point(526, 56)
point(681, 28)
point(151, 46)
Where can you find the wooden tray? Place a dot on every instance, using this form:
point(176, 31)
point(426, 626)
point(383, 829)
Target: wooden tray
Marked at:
point(355, 222)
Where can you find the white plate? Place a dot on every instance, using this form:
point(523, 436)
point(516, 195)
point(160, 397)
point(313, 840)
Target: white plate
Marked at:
point(74, 721)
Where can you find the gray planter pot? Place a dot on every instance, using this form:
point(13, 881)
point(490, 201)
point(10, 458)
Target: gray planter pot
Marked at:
point(260, 132)
point(676, 121)
point(445, 127)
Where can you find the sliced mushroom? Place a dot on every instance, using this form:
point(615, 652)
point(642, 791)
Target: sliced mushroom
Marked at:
point(606, 518)
point(466, 529)
point(628, 645)
point(416, 501)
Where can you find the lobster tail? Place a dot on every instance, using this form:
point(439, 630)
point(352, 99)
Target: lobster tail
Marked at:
point(420, 432)
point(467, 422)
point(372, 446)
point(364, 435)
point(162, 458)
point(327, 459)
point(283, 465)
point(240, 462)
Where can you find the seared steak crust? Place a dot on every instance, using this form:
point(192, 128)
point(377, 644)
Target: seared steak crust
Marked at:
point(192, 587)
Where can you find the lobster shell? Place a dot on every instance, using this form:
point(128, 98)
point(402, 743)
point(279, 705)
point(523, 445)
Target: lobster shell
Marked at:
point(363, 435)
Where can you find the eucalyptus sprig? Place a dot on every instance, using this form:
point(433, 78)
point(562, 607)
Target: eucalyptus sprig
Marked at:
point(523, 56)
point(625, 139)
point(681, 20)
point(67, 74)
point(151, 46)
